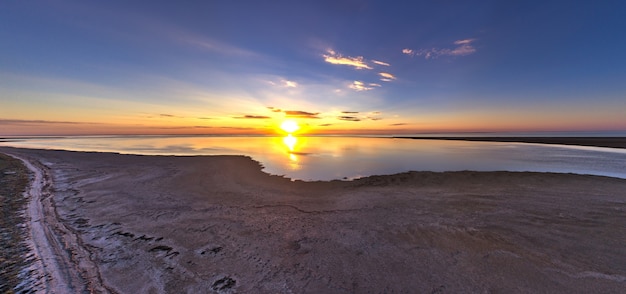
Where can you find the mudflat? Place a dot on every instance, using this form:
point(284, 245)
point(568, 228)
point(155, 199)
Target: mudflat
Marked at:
point(166, 224)
point(609, 142)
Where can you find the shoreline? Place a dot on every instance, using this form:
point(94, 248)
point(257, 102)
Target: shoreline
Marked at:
point(174, 224)
point(606, 142)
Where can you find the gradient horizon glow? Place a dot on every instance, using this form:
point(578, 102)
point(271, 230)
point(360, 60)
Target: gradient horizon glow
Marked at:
point(332, 67)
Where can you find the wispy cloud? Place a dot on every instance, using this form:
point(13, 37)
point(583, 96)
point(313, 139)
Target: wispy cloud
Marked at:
point(398, 124)
point(333, 57)
point(380, 62)
point(360, 86)
point(349, 118)
point(290, 84)
point(301, 114)
point(248, 116)
point(170, 115)
point(41, 122)
point(350, 112)
point(216, 46)
point(284, 83)
point(464, 47)
point(386, 77)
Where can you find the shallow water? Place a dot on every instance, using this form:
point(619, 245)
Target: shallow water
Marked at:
point(328, 158)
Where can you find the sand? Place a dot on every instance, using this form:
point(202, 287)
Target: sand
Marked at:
point(217, 224)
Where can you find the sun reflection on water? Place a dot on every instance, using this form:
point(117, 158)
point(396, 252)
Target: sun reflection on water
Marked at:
point(292, 143)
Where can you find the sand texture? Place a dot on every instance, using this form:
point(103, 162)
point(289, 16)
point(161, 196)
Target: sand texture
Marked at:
point(217, 224)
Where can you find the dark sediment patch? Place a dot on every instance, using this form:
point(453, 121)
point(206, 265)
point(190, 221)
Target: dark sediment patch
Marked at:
point(14, 256)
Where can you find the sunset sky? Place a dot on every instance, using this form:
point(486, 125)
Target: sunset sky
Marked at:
point(243, 67)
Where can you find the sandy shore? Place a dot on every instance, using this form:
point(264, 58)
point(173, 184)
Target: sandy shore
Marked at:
point(159, 224)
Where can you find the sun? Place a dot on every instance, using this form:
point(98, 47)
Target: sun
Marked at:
point(290, 126)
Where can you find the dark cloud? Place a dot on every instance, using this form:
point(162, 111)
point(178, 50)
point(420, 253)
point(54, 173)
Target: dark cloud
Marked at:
point(37, 122)
point(301, 114)
point(274, 109)
point(399, 124)
point(205, 118)
point(252, 117)
point(325, 125)
point(166, 115)
point(349, 118)
point(350, 112)
point(201, 127)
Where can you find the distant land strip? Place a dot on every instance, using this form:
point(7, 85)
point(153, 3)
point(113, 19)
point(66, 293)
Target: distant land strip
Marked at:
point(610, 142)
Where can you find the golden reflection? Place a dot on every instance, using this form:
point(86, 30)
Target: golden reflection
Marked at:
point(291, 143)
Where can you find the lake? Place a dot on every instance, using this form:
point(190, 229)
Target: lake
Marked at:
point(328, 158)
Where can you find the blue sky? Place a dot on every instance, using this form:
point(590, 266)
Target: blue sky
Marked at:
point(335, 66)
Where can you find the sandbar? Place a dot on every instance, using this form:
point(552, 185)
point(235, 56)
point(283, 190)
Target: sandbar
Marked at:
point(218, 224)
point(608, 142)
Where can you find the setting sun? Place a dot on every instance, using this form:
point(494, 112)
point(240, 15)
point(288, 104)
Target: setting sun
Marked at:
point(289, 126)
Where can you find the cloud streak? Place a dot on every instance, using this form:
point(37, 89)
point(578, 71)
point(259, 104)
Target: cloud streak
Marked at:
point(301, 114)
point(380, 62)
point(40, 122)
point(360, 86)
point(463, 47)
point(249, 116)
point(386, 77)
point(333, 57)
point(349, 118)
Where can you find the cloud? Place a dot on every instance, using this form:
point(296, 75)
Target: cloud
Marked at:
point(325, 125)
point(386, 77)
point(399, 124)
point(204, 118)
point(274, 109)
point(40, 122)
point(349, 118)
point(380, 62)
point(350, 112)
point(360, 86)
point(170, 115)
point(284, 83)
point(301, 114)
point(463, 42)
point(290, 84)
point(216, 46)
point(334, 58)
point(464, 47)
point(248, 116)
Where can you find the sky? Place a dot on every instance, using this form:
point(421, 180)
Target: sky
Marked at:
point(335, 67)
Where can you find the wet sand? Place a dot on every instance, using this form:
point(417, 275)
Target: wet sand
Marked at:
point(610, 142)
point(165, 224)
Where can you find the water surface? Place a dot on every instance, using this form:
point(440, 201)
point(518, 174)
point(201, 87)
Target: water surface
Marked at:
point(328, 158)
